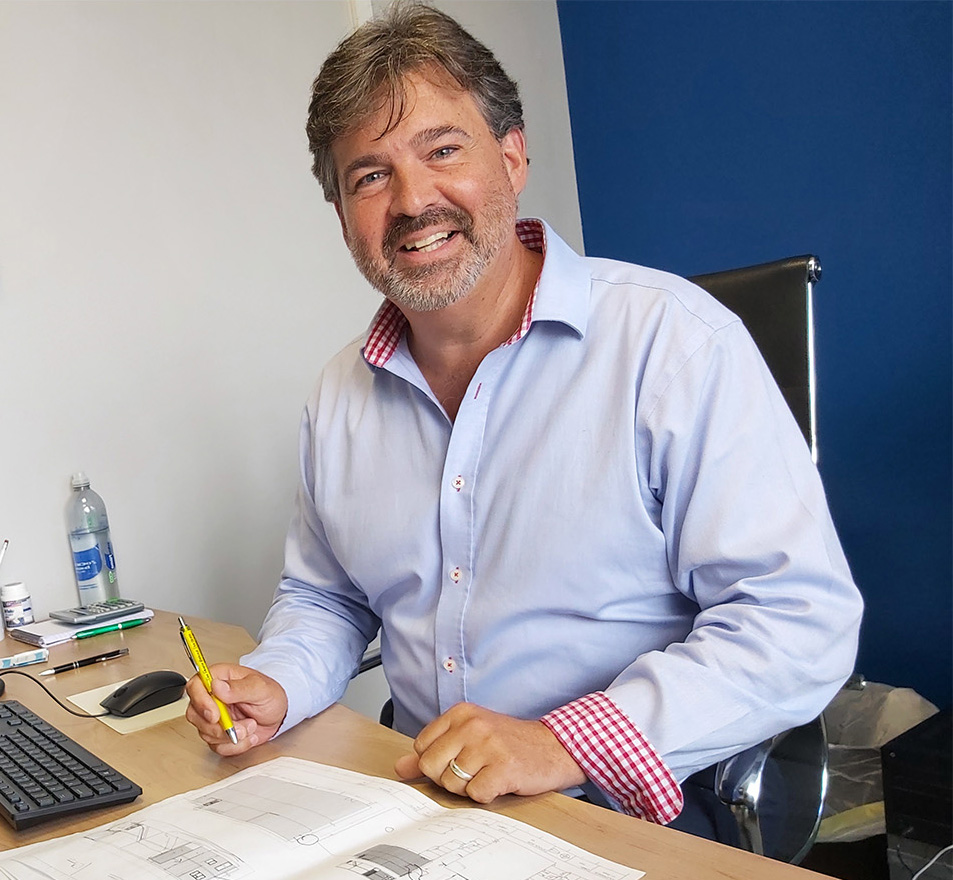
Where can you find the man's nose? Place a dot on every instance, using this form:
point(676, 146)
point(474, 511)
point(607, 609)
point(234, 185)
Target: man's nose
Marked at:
point(413, 190)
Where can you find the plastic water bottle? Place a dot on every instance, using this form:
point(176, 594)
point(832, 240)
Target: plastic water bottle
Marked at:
point(94, 561)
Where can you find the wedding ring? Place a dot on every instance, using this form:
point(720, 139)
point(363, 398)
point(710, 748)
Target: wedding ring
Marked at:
point(459, 772)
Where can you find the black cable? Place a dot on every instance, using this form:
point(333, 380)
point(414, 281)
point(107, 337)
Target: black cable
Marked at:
point(51, 694)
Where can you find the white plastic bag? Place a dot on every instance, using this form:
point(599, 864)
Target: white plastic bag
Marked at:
point(859, 721)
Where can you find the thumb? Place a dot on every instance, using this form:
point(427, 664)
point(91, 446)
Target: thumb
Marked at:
point(223, 690)
point(407, 767)
point(236, 684)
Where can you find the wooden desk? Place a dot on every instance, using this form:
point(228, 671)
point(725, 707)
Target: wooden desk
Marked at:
point(170, 758)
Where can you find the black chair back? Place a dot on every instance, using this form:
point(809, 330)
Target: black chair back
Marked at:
point(775, 303)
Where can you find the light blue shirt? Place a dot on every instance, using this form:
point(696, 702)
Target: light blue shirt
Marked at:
point(623, 503)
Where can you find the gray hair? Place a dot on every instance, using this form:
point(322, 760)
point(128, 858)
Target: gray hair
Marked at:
point(367, 72)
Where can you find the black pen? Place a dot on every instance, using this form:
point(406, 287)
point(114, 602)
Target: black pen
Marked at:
point(86, 661)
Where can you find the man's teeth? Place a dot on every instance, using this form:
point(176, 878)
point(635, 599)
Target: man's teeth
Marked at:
point(429, 243)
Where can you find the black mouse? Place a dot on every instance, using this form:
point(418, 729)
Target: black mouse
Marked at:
point(148, 691)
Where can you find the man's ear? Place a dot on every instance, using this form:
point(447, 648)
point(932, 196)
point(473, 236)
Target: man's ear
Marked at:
point(513, 147)
point(340, 213)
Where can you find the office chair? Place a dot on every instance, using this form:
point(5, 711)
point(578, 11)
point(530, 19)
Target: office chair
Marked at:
point(774, 301)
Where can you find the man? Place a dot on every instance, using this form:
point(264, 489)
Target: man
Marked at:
point(567, 490)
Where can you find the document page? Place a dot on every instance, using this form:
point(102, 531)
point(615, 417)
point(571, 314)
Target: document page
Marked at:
point(290, 819)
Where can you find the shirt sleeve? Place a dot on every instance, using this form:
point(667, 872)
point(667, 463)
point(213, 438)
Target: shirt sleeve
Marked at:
point(615, 755)
point(750, 540)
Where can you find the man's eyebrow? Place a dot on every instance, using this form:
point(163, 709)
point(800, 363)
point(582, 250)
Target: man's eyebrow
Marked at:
point(429, 135)
point(368, 160)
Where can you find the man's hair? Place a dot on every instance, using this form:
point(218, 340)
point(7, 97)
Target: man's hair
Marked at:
point(367, 72)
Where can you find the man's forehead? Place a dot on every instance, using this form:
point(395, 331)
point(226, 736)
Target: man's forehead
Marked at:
point(391, 104)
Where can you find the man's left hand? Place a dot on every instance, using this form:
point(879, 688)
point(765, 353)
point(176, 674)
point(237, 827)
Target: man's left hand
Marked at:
point(502, 755)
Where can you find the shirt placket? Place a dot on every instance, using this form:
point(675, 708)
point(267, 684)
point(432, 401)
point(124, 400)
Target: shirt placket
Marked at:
point(456, 534)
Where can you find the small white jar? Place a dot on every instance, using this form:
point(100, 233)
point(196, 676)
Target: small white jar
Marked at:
point(17, 604)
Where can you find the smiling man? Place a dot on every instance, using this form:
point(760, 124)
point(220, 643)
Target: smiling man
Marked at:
point(428, 209)
point(566, 491)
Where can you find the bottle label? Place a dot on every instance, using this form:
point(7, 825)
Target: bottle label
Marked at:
point(95, 565)
point(18, 612)
point(110, 561)
point(88, 563)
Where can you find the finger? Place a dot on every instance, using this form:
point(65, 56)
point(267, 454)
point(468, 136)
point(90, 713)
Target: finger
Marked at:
point(247, 733)
point(461, 772)
point(431, 733)
point(198, 720)
point(434, 760)
point(438, 742)
point(435, 763)
point(210, 730)
point(200, 701)
point(226, 748)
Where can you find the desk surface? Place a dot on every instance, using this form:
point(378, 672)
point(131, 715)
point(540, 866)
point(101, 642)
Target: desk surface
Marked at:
point(169, 758)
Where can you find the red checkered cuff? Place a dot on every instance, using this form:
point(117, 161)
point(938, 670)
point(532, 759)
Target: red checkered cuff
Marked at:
point(615, 755)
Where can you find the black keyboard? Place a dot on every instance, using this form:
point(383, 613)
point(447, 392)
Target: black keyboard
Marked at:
point(45, 774)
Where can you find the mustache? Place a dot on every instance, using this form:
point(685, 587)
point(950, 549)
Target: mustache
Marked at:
point(402, 226)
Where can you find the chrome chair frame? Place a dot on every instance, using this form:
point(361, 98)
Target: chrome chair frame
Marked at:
point(740, 782)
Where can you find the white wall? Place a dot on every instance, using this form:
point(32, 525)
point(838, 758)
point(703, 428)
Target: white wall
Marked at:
point(171, 280)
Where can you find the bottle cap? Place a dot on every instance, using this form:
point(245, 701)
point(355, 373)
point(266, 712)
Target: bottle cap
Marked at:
point(16, 590)
point(80, 480)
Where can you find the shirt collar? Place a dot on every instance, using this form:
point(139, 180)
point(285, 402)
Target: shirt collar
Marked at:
point(388, 326)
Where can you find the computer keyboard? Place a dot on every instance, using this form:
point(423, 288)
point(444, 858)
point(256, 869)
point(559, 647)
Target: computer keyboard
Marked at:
point(45, 774)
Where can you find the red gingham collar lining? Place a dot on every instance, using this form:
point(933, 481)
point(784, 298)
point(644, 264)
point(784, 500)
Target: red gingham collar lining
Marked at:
point(389, 322)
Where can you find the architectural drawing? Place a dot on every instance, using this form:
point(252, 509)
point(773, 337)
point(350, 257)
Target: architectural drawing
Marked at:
point(289, 818)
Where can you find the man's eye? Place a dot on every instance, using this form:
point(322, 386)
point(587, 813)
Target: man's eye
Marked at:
point(443, 152)
point(373, 177)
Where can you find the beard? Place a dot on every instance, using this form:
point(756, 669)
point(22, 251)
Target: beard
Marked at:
point(441, 282)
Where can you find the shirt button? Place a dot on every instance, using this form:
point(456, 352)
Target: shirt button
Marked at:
point(458, 482)
point(449, 665)
point(455, 575)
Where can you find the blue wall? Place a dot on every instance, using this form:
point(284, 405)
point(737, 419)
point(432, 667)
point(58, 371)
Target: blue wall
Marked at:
point(717, 134)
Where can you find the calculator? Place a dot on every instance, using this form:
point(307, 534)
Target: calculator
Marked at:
point(98, 611)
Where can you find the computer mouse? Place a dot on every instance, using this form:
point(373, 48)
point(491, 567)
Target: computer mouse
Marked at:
point(148, 691)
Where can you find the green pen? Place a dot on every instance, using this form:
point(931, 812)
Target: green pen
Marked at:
point(127, 624)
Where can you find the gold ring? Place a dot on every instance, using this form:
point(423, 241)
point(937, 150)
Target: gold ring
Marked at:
point(459, 772)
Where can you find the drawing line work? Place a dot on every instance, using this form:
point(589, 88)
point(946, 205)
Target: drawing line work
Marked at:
point(287, 809)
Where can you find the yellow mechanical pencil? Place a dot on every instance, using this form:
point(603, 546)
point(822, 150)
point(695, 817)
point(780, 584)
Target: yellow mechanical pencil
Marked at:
point(201, 667)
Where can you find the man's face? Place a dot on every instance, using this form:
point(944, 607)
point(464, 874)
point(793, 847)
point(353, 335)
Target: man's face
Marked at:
point(427, 208)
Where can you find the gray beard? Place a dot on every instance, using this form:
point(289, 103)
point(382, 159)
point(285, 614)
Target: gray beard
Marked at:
point(439, 284)
point(421, 291)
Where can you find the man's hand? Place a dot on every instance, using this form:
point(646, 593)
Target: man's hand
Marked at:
point(257, 704)
point(502, 754)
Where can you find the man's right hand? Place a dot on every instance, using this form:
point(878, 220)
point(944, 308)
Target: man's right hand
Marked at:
point(257, 704)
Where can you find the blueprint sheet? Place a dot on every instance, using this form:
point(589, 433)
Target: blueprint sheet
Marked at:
point(289, 819)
